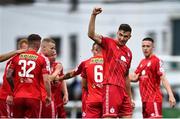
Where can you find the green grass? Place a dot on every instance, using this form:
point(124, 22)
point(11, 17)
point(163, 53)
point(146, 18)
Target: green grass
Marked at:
point(171, 113)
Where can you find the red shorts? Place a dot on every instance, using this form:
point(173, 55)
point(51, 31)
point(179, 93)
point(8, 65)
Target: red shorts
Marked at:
point(116, 102)
point(93, 110)
point(26, 107)
point(152, 109)
point(61, 112)
point(48, 111)
point(84, 96)
point(5, 109)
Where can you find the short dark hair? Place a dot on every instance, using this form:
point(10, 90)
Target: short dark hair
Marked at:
point(125, 27)
point(33, 37)
point(148, 39)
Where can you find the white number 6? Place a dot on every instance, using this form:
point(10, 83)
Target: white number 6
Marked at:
point(98, 75)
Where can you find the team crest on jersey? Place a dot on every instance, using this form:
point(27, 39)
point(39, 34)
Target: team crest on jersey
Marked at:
point(149, 64)
point(83, 114)
point(141, 65)
point(143, 72)
point(123, 58)
point(112, 110)
point(128, 54)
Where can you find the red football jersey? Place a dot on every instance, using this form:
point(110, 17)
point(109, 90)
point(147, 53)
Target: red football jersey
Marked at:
point(28, 70)
point(42, 87)
point(5, 89)
point(117, 60)
point(93, 73)
point(80, 68)
point(150, 71)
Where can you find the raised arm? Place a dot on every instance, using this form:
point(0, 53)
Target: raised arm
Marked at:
point(172, 100)
point(8, 55)
point(91, 31)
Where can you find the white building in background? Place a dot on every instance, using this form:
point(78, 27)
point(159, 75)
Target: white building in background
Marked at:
point(53, 19)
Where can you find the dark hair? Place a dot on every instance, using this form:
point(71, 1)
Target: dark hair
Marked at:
point(33, 37)
point(148, 39)
point(125, 27)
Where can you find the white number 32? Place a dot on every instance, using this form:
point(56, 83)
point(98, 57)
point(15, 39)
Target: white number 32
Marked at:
point(26, 72)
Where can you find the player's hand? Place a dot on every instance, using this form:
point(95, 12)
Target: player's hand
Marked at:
point(21, 51)
point(97, 10)
point(65, 99)
point(132, 103)
point(9, 100)
point(48, 101)
point(172, 101)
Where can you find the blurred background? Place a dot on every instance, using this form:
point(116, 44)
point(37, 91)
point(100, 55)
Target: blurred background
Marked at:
point(66, 21)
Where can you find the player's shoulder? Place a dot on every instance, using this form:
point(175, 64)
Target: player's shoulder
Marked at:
point(155, 58)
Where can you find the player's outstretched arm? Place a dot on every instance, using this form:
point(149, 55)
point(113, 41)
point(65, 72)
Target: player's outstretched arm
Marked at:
point(66, 76)
point(172, 100)
point(8, 55)
point(55, 74)
point(91, 30)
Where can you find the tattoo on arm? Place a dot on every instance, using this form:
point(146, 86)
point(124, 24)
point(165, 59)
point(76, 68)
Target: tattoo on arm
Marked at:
point(10, 78)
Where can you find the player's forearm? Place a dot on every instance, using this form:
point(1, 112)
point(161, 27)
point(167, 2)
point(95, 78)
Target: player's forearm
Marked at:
point(6, 56)
point(91, 30)
point(128, 87)
point(10, 79)
point(64, 88)
point(47, 84)
point(167, 87)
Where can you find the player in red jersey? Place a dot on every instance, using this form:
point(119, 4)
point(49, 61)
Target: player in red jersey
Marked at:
point(58, 88)
point(150, 74)
point(93, 74)
point(48, 49)
point(24, 75)
point(5, 90)
point(117, 59)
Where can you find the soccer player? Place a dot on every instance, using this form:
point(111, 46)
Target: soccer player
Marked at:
point(93, 74)
point(58, 88)
point(24, 75)
point(150, 74)
point(117, 59)
point(6, 96)
point(47, 49)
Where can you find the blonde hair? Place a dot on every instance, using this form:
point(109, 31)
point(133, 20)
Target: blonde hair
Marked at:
point(20, 42)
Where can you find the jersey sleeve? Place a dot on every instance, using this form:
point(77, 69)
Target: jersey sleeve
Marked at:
point(45, 67)
point(105, 42)
point(137, 71)
point(12, 65)
point(79, 69)
point(159, 68)
point(83, 74)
